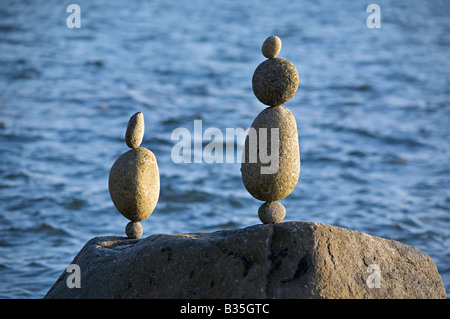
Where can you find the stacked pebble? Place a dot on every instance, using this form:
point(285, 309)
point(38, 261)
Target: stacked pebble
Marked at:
point(134, 179)
point(274, 82)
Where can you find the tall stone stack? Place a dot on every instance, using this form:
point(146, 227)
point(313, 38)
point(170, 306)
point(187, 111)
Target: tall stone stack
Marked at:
point(134, 179)
point(275, 81)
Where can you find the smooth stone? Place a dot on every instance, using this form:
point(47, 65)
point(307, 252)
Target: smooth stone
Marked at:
point(272, 213)
point(135, 130)
point(134, 184)
point(271, 47)
point(275, 81)
point(276, 186)
point(134, 230)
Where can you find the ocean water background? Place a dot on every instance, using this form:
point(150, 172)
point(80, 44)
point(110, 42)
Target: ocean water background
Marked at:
point(372, 111)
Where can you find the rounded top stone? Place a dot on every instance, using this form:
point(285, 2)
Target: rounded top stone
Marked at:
point(275, 81)
point(271, 47)
point(135, 130)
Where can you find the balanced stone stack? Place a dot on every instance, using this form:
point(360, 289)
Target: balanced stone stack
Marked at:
point(274, 82)
point(134, 179)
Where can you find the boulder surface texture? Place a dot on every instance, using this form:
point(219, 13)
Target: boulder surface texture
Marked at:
point(286, 260)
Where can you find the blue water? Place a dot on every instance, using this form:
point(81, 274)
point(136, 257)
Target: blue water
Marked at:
point(372, 110)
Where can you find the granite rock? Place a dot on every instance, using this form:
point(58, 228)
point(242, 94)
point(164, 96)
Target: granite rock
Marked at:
point(287, 260)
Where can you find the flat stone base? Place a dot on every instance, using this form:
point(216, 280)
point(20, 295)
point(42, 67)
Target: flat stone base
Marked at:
point(287, 260)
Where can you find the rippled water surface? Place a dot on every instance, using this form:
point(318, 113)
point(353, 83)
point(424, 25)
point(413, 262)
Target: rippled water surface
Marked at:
point(372, 110)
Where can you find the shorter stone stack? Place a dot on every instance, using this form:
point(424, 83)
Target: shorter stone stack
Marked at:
point(134, 179)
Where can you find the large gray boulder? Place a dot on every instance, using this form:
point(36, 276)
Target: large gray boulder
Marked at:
point(287, 260)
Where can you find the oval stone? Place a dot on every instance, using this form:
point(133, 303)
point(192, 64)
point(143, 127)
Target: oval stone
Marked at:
point(134, 184)
point(271, 178)
point(271, 47)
